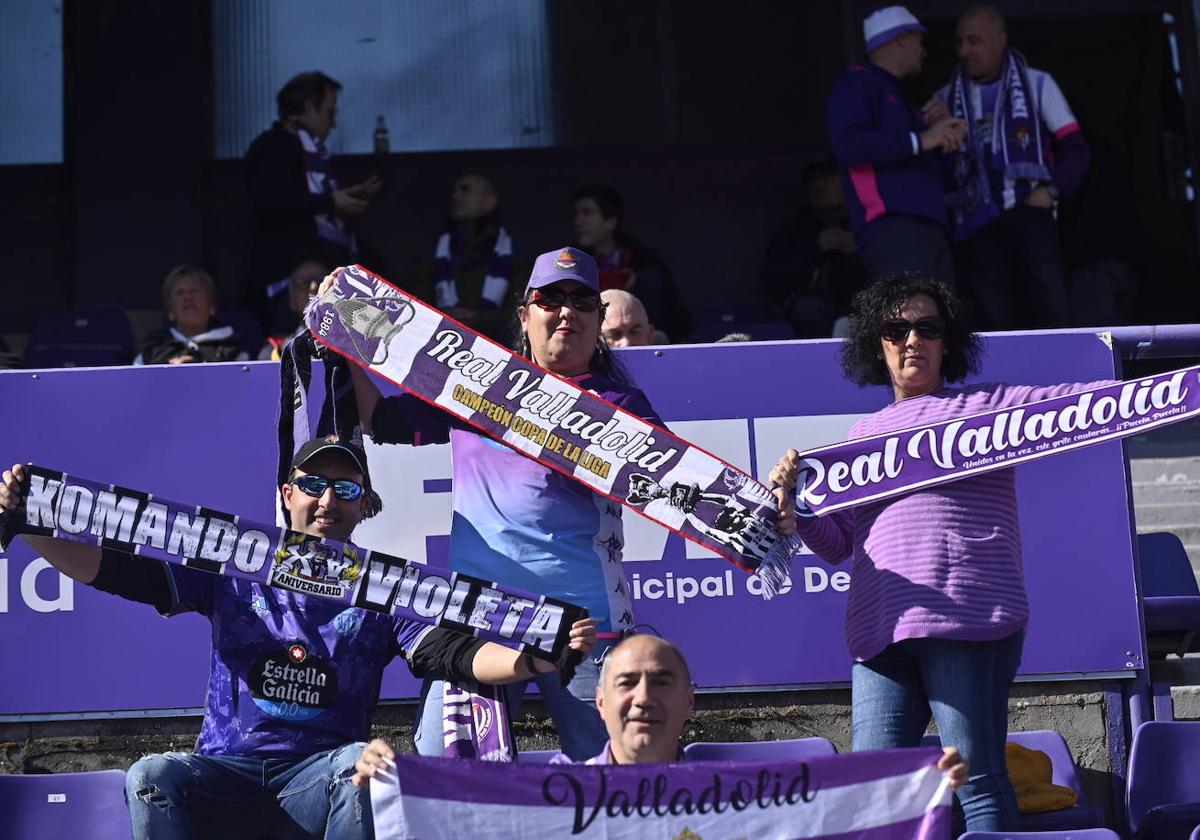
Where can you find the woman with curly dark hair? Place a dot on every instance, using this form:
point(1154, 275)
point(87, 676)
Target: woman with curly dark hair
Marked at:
point(937, 610)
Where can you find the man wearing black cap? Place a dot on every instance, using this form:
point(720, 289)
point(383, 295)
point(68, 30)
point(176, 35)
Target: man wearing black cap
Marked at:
point(293, 680)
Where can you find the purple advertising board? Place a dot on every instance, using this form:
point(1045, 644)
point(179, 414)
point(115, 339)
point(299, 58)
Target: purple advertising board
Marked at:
point(207, 434)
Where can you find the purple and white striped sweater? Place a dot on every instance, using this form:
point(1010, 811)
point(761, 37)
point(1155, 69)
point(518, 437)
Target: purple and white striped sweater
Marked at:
point(939, 563)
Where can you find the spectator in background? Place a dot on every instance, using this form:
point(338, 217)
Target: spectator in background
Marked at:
point(812, 268)
point(625, 263)
point(888, 153)
point(1023, 151)
point(192, 334)
point(625, 322)
point(297, 210)
point(471, 276)
point(301, 285)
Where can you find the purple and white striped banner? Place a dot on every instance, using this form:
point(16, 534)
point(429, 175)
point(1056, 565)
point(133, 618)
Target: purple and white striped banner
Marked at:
point(881, 466)
point(553, 421)
point(890, 795)
point(68, 507)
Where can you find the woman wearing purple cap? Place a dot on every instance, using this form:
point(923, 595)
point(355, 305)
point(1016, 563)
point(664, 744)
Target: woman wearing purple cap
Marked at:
point(521, 523)
point(937, 613)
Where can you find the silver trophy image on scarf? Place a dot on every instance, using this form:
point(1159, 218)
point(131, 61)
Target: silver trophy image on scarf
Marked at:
point(370, 319)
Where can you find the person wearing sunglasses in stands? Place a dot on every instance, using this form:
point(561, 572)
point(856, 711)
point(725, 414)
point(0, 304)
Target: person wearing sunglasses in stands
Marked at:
point(516, 521)
point(937, 611)
point(293, 680)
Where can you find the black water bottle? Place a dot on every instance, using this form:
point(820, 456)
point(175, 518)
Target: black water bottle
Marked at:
point(381, 136)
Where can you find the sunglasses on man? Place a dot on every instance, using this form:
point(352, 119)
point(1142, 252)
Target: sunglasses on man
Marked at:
point(896, 330)
point(580, 301)
point(316, 485)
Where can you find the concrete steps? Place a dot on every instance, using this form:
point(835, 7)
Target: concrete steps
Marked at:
point(1164, 468)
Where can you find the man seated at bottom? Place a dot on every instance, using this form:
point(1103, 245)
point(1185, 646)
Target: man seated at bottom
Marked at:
point(645, 696)
point(293, 680)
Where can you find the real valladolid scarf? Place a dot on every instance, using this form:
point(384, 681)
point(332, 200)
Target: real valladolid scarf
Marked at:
point(553, 421)
point(879, 467)
point(889, 795)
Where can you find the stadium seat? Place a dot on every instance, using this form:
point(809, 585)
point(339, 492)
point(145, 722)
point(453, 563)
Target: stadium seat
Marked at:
point(247, 326)
point(535, 756)
point(1163, 789)
point(1077, 834)
point(1064, 774)
point(1170, 596)
point(80, 338)
point(88, 805)
point(795, 748)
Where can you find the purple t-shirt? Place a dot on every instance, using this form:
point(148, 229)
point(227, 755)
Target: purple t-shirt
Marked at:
point(938, 563)
point(520, 523)
point(289, 676)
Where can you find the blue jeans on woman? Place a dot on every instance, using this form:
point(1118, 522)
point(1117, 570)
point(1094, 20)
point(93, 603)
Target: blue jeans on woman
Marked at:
point(965, 686)
point(581, 732)
point(183, 795)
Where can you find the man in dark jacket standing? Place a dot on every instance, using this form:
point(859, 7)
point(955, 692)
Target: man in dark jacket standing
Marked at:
point(888, 156)
point(297, 211)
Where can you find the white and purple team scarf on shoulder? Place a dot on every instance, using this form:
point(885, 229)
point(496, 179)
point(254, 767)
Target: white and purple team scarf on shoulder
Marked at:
point(889, 795)
point(575, 432)
point(1016, 143)
point(495, 284)
point(319, 181)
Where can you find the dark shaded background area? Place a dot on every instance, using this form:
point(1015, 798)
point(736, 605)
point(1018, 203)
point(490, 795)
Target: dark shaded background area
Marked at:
point(702, 114)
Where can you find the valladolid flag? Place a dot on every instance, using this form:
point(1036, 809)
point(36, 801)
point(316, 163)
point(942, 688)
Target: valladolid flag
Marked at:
point(68, 507)
point(881, 466)
point(889, 795)
point(617, 454)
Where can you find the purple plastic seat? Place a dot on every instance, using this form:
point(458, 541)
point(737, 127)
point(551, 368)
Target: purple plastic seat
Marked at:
point(1063, 773)
point(80, 338)
point(88, 805)
point(1076, 834)
point(1163, 790)
point(535, 756)
point(794, 748)
point(1170, 596)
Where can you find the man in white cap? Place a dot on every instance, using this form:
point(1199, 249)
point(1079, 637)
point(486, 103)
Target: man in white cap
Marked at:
point(888, 155)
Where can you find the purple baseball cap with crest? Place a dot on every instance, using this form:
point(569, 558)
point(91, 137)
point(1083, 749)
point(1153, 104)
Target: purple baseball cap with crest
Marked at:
point(564, 264)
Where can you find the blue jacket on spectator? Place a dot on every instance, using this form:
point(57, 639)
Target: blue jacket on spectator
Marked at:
point(875, 136)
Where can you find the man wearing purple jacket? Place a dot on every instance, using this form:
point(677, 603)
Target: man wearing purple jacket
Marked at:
point(888, 155)
point(293, 680)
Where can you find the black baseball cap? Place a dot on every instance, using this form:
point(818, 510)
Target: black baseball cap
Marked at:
point(348, 449)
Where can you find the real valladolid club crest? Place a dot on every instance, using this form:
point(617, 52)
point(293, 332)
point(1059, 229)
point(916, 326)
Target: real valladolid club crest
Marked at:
point(371, 319)
point(304, 564)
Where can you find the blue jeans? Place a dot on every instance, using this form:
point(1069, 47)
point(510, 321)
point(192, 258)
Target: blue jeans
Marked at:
point(965, 686)
point(183, 795)
point(581, 732)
